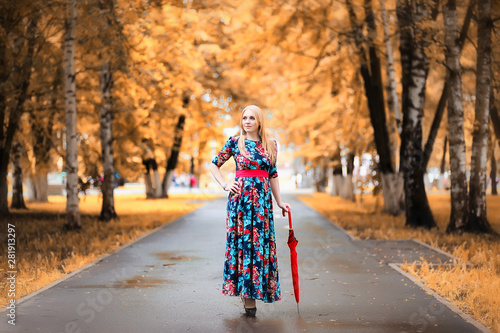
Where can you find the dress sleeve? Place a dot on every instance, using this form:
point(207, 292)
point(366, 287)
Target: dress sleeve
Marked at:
point(226, 152)
point(273, 173)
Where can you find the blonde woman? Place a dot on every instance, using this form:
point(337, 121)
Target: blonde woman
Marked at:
point(251, 266)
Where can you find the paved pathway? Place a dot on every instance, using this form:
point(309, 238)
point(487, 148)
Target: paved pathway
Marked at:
point(170, 281)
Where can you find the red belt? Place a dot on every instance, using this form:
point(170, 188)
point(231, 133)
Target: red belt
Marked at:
point(252, 173)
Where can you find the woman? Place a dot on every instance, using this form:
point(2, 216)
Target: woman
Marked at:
point(251, 267)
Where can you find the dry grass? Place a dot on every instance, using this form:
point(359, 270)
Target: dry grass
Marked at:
point(474, 288)
point(45, 253)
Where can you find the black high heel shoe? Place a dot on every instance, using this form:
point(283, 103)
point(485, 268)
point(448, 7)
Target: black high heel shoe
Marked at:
point(250, 312)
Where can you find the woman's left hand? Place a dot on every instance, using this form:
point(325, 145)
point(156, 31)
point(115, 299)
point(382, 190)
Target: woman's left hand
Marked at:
point(285, 207)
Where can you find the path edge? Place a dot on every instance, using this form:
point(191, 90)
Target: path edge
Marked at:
point(435, 249)
point(81, 269)
point(441, 299)
point(395, 266)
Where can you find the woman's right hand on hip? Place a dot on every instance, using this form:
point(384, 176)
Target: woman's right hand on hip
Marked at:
point(232, 187)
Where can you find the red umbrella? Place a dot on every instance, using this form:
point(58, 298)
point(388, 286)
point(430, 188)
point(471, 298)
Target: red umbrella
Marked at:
point(292, 244)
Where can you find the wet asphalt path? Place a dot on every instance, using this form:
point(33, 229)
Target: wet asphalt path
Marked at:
point(170, 281)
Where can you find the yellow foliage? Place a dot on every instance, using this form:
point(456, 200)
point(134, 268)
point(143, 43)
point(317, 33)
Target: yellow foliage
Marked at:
point(472, 283)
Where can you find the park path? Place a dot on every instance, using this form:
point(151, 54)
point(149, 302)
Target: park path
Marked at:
point(170, 281)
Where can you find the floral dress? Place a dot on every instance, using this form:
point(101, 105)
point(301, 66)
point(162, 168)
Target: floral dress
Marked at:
point(251, 266)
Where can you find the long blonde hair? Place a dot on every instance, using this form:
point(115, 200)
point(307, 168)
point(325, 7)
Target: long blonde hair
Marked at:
point(268, 144)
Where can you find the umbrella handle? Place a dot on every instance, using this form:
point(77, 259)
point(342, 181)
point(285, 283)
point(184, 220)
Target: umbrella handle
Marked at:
point(289, 217)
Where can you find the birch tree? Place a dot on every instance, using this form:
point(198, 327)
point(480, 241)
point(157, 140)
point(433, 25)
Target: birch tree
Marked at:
point(393, 181)
point(338, 178)
point(442, 167)
point(18, 39)
point(113, 41)
point(392, 94)
point(347, 191)
point(371, 72)
point(174, 152)
point(17, 178)
point(438, 115)
point(414, 63)
point(458, 215)
point(45, 117)
point(106, 131)
point(477, 221)
point(72, 208)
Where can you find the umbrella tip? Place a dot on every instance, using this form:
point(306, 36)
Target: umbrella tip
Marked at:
point(298, 309)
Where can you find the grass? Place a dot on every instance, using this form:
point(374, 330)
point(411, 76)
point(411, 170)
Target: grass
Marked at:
point(474, 288)
point(46, 253)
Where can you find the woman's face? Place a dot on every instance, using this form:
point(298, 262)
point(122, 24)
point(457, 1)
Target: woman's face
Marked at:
point(249, 122)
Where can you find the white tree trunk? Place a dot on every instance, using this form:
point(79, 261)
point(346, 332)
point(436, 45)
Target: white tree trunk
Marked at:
point(39, 187)
point(322, 176)
point(477, 220)
point(440, 183)
point(337, 184)
point(168, 177)
point(72, 209)
point(427, 182)
point(17, 178)
point(337, 173)
point(150, 194)
point(392, 190)
point(392, 94)
point(347, 191)
point(157, 183)
point(415, 68)
point(106, 131)
point(458, 177)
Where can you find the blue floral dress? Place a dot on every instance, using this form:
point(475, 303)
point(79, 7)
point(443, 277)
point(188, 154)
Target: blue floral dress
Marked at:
point(251, 266)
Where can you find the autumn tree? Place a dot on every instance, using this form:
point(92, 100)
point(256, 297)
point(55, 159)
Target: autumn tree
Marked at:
point(284, 59)
point(184, 81)
point(19, 30)
point(174, 153)
point(17, 178)
point(45, 118)
point(370, 69)
point(477, 220)
point(392, 94)
point(42, 121)
point(72, 207)
point(414, 65)
point(450, 19)
point(108, 203)
point(112, 38)
point(458, 216)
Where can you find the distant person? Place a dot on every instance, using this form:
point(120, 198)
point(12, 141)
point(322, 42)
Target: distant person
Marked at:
point(251, 266)
point(299, 180)
point(192, 181)
point(148, 160)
